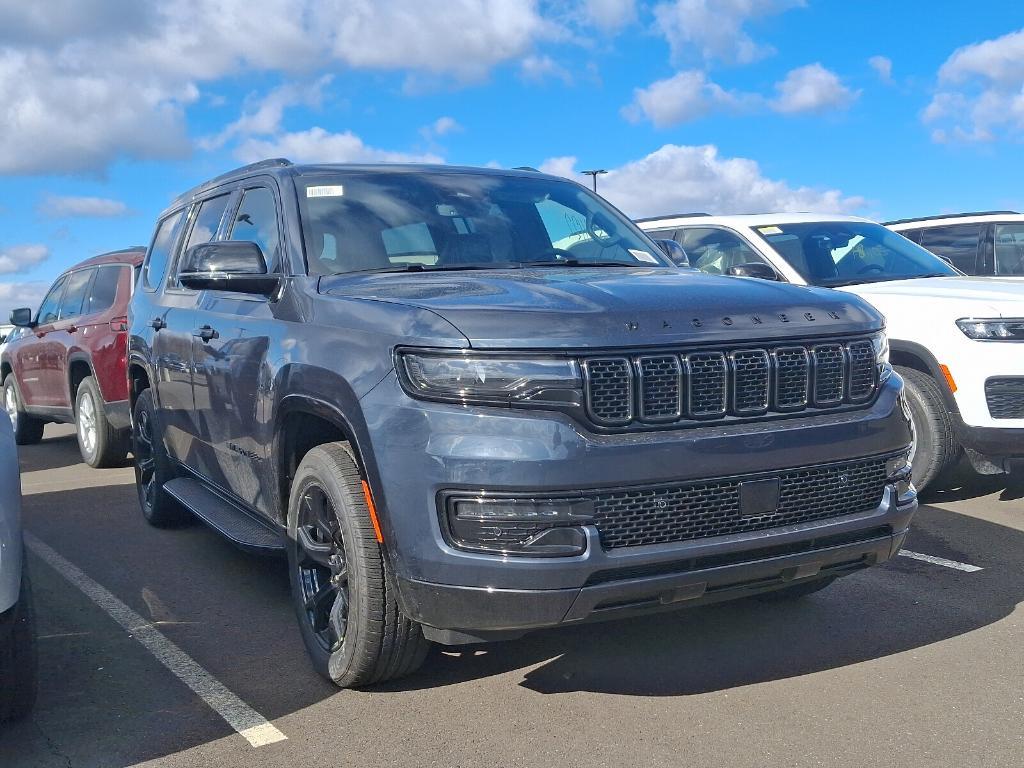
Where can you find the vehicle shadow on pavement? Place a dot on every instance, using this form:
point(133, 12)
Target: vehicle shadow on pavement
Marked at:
point(900, 606)
point(57, 450)
point(962, 483)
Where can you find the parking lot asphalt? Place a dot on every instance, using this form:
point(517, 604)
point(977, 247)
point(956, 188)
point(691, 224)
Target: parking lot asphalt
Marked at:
point(914, 663)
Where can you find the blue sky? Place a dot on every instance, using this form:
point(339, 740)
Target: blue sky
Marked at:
point(113, 107)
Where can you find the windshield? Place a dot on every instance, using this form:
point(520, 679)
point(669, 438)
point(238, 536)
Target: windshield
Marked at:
point(849, 252)
point(358, 221)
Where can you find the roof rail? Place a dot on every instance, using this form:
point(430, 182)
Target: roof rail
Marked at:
point(525, 168)
point(671, 216)
point(952, 216)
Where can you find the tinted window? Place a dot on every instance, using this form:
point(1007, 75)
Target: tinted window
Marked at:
point(74, 296)
point(1009, 248)
point(207, 220)
point(256, 221)
point(104, 289)
point(160, 251)
point(383, 220)
point(714, 250)
point(49, 309)
point(832, 253)
point(958, 243)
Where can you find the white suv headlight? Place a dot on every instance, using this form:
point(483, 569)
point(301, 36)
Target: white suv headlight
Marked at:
point(995, 329)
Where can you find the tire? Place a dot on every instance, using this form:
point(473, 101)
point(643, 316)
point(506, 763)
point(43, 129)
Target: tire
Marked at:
point(342, 587)
point(795, 591)
point(99, 443)
point(153, 468)
point(28, 430)
point(18, 662)
point(935, 448)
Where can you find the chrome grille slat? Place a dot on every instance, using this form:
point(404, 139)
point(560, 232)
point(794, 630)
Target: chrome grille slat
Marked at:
point(667, 387)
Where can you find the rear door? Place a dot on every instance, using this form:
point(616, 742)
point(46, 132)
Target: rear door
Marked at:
point(230, 360)
point(67, 335)
point(959, 244)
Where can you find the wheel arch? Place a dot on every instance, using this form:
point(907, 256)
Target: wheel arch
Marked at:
point(79, 368)
point(908, 354)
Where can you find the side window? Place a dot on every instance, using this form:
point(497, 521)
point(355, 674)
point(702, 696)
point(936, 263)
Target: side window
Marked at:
point(256, 221)
point(207, 220)
point(104, 289)
point(49, 309)
point(957, 243)
point(1009, 247)
point(160, 251)
point(74, 297)
point(714, 250)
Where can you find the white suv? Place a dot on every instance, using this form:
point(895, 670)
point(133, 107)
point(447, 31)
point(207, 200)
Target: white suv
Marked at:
point(989, 243)
point(957, 341)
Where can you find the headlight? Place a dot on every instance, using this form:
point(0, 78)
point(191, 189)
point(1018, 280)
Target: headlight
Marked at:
point(996, 329)
point(474, 378)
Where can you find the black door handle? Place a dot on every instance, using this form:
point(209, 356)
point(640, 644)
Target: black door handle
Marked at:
point(158, 323)
point(205, 333)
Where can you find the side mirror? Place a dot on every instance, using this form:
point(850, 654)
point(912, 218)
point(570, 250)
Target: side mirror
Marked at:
point(756, 269)
point(22, 317)
point(231, 265)
point(674, 251)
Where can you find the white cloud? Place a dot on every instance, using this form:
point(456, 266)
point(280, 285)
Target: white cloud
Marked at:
point(321, 146)
point(695, 178)
point(610, 15)
point(685, 96)
point(812, 89)
point(561, 166)
point(882, 66)
point(15, 295)
point(441, 127)
point(714, 29)
point(981, 92)
point(66, 206)
point(21, 258)
point(544, 69)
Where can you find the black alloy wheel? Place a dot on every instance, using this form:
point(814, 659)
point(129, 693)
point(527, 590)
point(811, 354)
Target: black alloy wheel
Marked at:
point(322, 570)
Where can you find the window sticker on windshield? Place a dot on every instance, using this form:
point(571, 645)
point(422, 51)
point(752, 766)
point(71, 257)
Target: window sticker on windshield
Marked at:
point(769, 230)
point(336, 190)
point(643, 256)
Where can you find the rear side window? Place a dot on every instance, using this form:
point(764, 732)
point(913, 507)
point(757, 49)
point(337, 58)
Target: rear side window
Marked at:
point(50, 308)
point(1009, 247)
point(74, 297)
point(104, 289)
point(958, 244)
point(256, 221)
point(160, 251)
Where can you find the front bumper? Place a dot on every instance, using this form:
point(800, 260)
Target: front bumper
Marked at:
point(1000, 445)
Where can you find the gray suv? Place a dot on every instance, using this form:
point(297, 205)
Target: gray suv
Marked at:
point(471, 403)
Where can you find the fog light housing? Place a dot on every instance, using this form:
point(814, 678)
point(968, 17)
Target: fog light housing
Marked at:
point(899, 473)
point(519, 526)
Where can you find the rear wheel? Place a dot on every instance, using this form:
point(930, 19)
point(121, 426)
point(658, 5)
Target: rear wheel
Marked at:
point(934, 447)
point(153, 467)
point(342, 587)
point(99, 443)
point(28, 430)
point(18, 659)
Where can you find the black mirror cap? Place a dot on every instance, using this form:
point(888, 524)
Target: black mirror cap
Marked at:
point(21, 317)
point(674, 251)
point(238, 266)
point(753, 269)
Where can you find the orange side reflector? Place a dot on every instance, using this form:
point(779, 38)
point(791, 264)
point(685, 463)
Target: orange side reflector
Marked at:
point(949, 378)
point(373, 513)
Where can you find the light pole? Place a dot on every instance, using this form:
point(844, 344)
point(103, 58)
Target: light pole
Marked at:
point(594, 174)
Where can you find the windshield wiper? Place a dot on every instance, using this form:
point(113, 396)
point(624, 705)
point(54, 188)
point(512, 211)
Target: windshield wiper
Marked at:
point(884, 279)
point(578, 263)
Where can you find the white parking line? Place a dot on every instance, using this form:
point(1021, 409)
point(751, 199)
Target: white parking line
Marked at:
point(940, 561)
point(249, 723)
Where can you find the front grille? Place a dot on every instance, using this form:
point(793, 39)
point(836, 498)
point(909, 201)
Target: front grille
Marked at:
point(713, 384)
point(674, 513)
point(1005, 397)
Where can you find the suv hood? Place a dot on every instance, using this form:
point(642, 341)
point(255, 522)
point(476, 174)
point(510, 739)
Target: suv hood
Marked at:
point(959, 296)
point(578, 307)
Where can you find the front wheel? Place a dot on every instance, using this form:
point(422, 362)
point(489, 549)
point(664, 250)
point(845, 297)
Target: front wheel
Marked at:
point(342, 587)
point(152, 467)
point(934, 447)
point(28, 430)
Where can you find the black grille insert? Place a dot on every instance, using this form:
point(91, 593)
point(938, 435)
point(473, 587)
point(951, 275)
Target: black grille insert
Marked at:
point(1005, 397)
point(698, 510)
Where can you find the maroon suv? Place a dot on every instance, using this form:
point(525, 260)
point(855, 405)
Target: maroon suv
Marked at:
point(70, 366)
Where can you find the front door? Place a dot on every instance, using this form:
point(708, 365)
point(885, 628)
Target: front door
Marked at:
point(37, 358)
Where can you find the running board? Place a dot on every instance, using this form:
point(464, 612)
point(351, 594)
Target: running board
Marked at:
point(228, 519)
